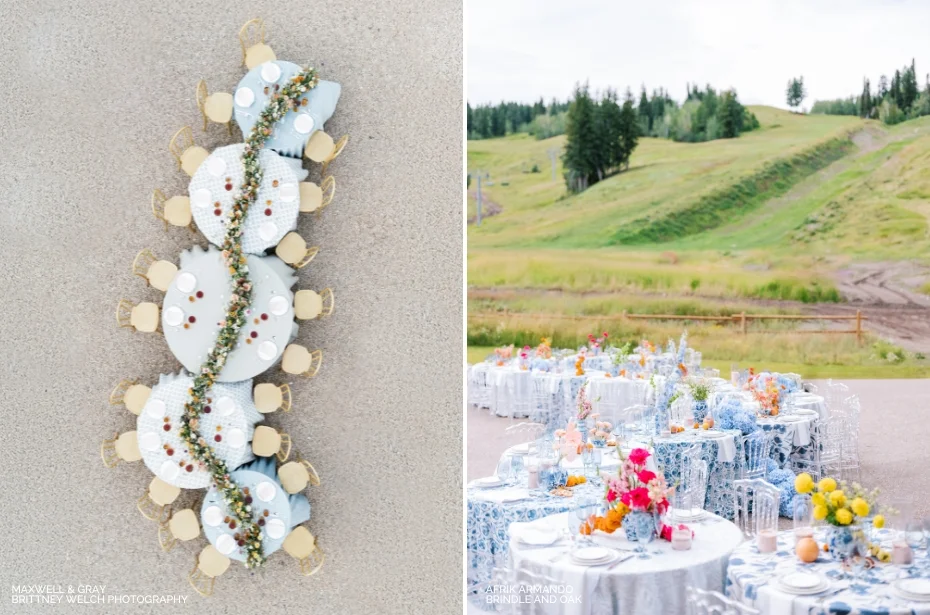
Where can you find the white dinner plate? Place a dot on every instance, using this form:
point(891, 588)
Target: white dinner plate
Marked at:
point(186, 282)
point(267, 231)
point(216, 166)
point(168, 471)
point(521, 448)
point(791, 418)
point(149, 442)
point(592, 556)
point(805, 412)
point(270, 72)
point(155, 408)
point(275, 528)
point(244, 97)
point(267, 351)
point(235, 438)
point(225, 405)
point(213, 516)
point(802, 583)
point(174, 316)
point(266, 491)
point(488, 481)
point(538, 537)
point(288, 192)
point(917, 589)
point(225, 544)
point(303, 123)
point(201, 197)
point(278, 305)
point(709, 433)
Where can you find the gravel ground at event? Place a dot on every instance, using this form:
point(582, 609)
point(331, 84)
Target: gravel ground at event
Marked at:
point(94, 92)
point(894, 433)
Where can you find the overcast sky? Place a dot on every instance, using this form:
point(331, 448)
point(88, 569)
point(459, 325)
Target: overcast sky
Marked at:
point(523, 49)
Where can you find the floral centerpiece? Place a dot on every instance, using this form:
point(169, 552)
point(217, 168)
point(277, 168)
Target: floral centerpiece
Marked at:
point(579, 364)
point(504, 353)
point(638, 495)
point(544, 350)
point(599, 432)
point(596, 344)
point(525, 358)
point(766, 390)
point(584, 404)
point(844, 508)
point(700, 392)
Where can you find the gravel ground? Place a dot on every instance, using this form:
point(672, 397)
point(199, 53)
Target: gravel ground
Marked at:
point(94, 90)
point(894, 441)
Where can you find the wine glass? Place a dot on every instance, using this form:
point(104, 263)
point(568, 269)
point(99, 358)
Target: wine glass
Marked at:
point(585, 506)
point(913, 532)
point(503, 468)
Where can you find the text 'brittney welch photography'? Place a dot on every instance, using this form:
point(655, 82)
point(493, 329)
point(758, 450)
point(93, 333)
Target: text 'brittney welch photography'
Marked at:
point(86, 594)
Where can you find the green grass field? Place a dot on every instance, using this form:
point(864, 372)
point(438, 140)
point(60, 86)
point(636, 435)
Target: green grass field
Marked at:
point(765, 216)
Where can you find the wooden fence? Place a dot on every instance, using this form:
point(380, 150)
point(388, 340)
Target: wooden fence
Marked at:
point(742, 319)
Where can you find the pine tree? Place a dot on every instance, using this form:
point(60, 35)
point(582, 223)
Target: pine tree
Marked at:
point(579, 159)
point(628, 129)
point(865, 100)
point(469, 125)
point(795, 92)
point(645, 113)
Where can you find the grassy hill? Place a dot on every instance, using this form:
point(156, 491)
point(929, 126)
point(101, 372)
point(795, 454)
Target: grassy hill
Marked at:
point(772, 215)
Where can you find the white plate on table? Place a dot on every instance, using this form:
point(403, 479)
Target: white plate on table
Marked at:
point(916, 589)
point(488, 481)
point(709, 433)
point(802, 583)
point(805, 412)
point(521, 448)
point(685, 514)
point(592, 556)
point(538, 537)
point(791, 418)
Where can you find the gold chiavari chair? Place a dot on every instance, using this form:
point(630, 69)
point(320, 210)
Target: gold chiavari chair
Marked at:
point(309, 255)
point(285, 397)
point(313, 477)
point(299, 361)
point(319, 147)
point(182, 526)
point(252, 40)
point(293, 250)
point(209, 564)
point(175, 211)
point(141, 317)
point(156, 273)
point(118, 394)
point(216, 107)
point(188, 154)
point(301, 545)
point(269, 397)
point(329, 302)
point(337, 149)
point(328, 190)
point(121, 447)
point(266, 441)
point(284, 451)
point(155, 503)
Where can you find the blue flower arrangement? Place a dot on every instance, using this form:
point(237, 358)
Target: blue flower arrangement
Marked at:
point(682, 346)
point(731, 415)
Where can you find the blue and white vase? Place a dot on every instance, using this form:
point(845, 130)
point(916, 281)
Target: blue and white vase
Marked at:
point(842, 542)
point(699, 410)
point(640, 526)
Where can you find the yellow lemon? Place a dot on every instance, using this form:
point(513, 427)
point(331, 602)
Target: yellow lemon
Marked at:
point(878, 522)
point(838, 498)
point(860, 507)
point(803, 483)
point(818, 499)
point(843, 516)
point(820, 512)
point(826, 484)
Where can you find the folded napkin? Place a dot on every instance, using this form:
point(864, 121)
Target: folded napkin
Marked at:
point(726, 448)
point(509, 494)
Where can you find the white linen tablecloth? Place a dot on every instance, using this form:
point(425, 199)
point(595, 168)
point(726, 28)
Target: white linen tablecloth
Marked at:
point(653, 582)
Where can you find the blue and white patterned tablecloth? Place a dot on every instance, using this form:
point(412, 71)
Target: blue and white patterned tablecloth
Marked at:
point(488, 523)
point(750, 575)
point(215, 186)
point(286, 140)
point(290, 510)
point(793, 442)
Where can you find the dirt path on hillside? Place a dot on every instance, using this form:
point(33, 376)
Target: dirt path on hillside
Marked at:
point(488, 207)
point(879, 290)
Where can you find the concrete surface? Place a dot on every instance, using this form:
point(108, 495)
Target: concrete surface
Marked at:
point(92, 93)
point(894, 441)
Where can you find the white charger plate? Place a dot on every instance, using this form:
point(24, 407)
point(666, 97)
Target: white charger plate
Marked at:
point(917, 589)
point(488, 481)
point(593, 556)
point(712, 434)
point(802, 583)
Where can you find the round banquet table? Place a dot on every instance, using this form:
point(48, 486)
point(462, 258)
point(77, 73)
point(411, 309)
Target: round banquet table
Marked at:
point(793, 435)
point(291, 134)
point(490, 513)
point(232, 417)
point(653, 581)
point(270, 319)
point(284, 511)
point(811, 401)
point(750, 574)
point(215, 185)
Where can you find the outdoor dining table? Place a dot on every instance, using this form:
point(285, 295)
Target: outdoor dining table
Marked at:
point(291, 134)
point(752, 579)
point(229, 425)
point(265, 493)
point(216, 184)
point(640, 579)
point(195, 304)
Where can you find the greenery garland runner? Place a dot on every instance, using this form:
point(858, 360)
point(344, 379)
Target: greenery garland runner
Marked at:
point(238, 503)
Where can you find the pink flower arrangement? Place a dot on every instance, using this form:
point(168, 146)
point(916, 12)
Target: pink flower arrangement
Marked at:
point(636, 487)
point(584, 404)
point(597, 342)
point(569, 441)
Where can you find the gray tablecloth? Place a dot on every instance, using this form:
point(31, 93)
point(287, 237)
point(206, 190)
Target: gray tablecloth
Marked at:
point(290, 510)
point(321, 103)
point(216, 183)
point(236, 422)
point(191, 345)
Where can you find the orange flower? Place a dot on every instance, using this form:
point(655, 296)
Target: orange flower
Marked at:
point(683, 369)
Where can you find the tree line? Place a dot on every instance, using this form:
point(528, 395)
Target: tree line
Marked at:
point(892, 101)
point(487, 121)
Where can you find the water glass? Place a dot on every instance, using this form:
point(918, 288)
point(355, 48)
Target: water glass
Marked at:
point(503, 468)
point(913, 533)
point(517, 466)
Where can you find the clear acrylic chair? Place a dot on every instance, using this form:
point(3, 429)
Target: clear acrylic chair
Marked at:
point(830, 438)
point(708, 602)
point(525, 583)
point(756, 505)
point(691, 492)
point(631, 420)
point(755, 448)
point(542, 401)
point(522, 432)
